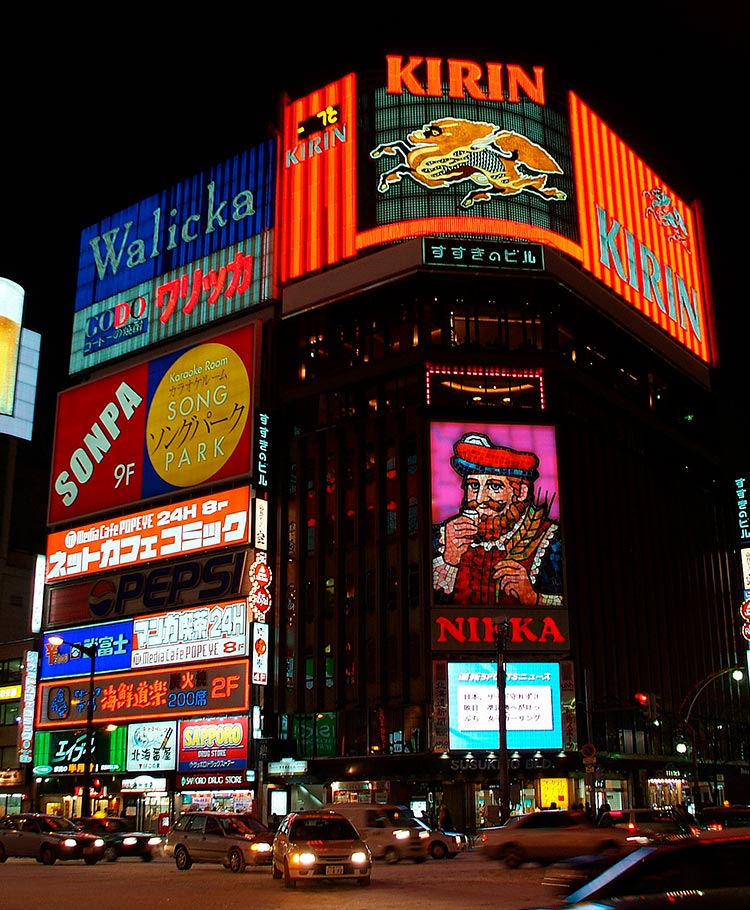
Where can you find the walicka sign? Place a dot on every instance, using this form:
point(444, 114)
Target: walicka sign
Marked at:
point(176, 261)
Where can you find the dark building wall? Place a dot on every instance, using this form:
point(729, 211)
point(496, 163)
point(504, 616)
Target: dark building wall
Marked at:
point(648, 562)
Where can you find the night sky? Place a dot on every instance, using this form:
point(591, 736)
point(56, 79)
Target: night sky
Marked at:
point(95, 122)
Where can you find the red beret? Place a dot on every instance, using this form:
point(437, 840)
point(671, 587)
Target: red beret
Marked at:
point(475, 454)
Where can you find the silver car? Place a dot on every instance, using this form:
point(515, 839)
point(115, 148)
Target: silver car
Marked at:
point(215, 837)
point(47, 838)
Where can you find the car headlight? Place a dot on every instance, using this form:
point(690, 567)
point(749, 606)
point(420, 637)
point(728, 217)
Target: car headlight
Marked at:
point(424, 834)
point(303, 858)
point(402, 834)
point(154, 841)
point(99, 842)
point(260, 847)
point(129, 841)
point(359, 857)
point(69, 842)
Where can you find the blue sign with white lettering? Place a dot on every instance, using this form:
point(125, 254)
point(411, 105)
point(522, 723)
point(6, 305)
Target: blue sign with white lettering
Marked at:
point(111, 643)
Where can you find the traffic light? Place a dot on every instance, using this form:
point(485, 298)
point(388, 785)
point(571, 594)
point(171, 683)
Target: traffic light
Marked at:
point(644, 701)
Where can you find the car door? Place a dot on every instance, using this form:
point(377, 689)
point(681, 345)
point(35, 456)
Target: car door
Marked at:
point(29, 837)
point(12, 837)
point(214, 841)
point(194, 839)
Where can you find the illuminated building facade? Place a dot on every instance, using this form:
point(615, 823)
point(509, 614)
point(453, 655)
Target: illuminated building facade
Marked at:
point(438, 356)
point(469, 260)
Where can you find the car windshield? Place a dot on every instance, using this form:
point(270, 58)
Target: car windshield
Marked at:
point(113, 824)
point(58, 823)
point(234, 826)
point(323, 829)
point(257, 827)
point(402, 818)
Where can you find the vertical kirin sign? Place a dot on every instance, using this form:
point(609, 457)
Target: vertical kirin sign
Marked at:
point(318, 180)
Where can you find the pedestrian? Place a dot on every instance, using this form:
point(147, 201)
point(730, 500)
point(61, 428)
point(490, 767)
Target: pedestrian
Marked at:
point(444, 820)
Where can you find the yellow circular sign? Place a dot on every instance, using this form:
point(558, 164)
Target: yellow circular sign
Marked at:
point(198, 414)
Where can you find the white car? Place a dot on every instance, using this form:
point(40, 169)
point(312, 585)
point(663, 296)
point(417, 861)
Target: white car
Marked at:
point(320, 844)
point(444, 844)
point(547, 836)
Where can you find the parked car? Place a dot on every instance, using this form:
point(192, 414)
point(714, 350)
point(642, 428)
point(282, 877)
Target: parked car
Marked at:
point(47, 838)
point(120, 839)
point(648, 825)
point(683, 874)
point(725, 818)
point(215, 837)
point(444, 844)
point(549, 835)
point(392, 832)
point(320, 845)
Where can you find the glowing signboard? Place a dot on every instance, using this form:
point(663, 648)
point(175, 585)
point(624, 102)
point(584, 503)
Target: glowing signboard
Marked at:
point(64, 752)
point(179, 260)
point(213, 744)
point(185, 582)
point(180, 636)
point(496, 519)
point(481, 149)
point(532, 698)
point(26, 726)
point(214, 688)
point(181, 420)
point(433, 147)
point(152, 746)
point(191, 526)
point(639, 237)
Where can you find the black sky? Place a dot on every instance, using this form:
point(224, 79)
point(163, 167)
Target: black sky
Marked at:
point(99, 113)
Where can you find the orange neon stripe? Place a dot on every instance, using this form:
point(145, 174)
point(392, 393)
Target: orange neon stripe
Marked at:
point(581, 131)
point(475, 227)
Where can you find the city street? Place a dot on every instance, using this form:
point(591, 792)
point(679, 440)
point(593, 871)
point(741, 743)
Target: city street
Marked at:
point(469, 880)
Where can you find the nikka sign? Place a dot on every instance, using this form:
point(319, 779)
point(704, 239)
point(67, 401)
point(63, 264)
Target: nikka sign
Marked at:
point(472, 629)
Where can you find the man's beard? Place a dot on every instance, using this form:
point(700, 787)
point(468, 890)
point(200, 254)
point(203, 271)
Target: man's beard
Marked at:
point(502, 519)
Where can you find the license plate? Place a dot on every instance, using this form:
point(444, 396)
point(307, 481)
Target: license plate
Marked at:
point(334, 870)
point(88, 851)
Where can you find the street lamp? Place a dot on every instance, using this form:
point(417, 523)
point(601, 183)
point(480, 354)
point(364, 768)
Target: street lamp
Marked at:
point(90, 652)
point(684, 712)
point(501, 631)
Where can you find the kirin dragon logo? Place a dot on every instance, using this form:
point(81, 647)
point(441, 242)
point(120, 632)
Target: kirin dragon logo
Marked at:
point(660, 207)
point(450, 151)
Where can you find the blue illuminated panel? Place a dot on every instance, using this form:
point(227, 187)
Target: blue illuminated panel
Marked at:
point(532, 695)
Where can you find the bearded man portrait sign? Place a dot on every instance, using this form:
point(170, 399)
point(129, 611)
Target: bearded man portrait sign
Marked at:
point(496, 532)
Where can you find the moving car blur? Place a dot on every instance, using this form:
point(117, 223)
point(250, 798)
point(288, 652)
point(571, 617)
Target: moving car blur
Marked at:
point(391, 831)
point(215, 837)
point(649, 825)
point(549, 835)
point(725, 818)
point(444, 844)
point(47, 838)
point(670, 875)
point(318, 845)
point(119, 839)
